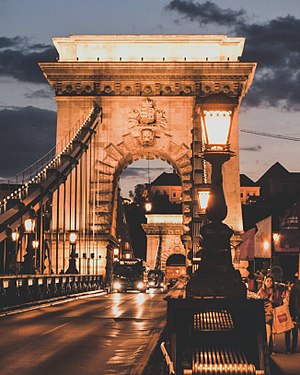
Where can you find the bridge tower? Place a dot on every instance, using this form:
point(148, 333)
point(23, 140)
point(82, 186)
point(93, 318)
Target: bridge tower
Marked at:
point(151, 89)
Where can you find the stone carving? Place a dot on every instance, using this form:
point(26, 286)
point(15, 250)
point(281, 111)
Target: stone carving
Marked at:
point(146, 123)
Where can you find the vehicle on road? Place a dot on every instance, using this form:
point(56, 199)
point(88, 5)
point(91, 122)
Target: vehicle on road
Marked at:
point(156, 279)
point(129, 274)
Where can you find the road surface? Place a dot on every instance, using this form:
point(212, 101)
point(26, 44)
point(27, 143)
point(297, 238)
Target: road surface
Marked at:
point(102, 334)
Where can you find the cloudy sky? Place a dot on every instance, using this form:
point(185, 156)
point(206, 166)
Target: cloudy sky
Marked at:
point(271, 29)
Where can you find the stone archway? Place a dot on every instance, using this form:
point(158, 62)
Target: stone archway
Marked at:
point(175, 266)
point(117, 157)
point(150, 99)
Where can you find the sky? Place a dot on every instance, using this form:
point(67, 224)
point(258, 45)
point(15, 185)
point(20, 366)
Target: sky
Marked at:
point(272, 105)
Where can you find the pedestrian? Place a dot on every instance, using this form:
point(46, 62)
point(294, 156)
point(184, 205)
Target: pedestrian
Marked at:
point(272, 298)
point(291, 337)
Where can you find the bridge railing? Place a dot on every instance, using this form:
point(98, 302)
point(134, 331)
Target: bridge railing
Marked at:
point(38, 171)
point(27, 289)
point(29, 172)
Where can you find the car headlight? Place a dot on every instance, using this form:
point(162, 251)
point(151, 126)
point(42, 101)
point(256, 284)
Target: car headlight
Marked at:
point(117, 285)
point(140, 285)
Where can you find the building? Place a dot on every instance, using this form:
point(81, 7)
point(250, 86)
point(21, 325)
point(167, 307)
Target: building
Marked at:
point(168, 184)
point(250, 191)
point(278, 180)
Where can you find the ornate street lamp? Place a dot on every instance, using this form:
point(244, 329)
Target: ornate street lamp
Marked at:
point(72, 260)
point(148, 204)
point(216, 276)
point(29, 227)
point(15, 235)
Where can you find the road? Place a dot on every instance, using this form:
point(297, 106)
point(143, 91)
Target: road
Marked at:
point(103, 335)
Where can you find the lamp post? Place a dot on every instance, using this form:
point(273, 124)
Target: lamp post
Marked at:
point(15, 235)
point(35, 246)
point(216, 276)
point(29, 227)
point(72, 260)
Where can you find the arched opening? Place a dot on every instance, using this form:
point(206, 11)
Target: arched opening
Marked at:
point(175, 267)
point(147, 180)
point(176, 260)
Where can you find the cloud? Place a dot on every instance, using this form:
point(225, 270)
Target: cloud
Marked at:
point(206, 13)
point(27, 134)
point(142, 172)
point(274, 45)
point(19, 59)
point(40, 94)
point(253, 148)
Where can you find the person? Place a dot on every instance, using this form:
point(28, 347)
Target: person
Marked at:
point(294, 307)
point(272, 296)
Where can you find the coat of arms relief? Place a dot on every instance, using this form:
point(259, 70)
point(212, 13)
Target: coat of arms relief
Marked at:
point(147, 123)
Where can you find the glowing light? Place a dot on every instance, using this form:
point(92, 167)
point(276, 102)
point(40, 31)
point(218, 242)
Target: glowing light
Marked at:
point(148, 206)
point(203, 198)
point(29, 225)
point(73, 237)
point(216, 127)
point(266, 245)
point(275, 236)
point(116, 251)
point(35, 244)
point(15, 236)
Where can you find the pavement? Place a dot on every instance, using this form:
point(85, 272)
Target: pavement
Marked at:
point(281, 363)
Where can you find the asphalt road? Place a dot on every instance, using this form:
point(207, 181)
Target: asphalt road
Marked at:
point(102, 334)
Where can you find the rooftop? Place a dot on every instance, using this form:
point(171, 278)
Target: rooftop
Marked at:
point(149, 48)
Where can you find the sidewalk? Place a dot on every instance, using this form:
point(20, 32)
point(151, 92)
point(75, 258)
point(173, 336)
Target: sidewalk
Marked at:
point(283, 364)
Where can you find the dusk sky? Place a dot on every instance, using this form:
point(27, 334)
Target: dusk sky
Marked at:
point(272, 105)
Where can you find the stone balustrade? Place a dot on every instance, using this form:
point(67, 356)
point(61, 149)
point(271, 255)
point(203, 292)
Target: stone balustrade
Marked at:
point(25, 289)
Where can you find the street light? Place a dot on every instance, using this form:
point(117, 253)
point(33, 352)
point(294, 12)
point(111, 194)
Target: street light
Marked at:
point(29, 227)
point(15, 235)
point(216, 276)
point(35, 246)
point(72, 260)
point(148, 204)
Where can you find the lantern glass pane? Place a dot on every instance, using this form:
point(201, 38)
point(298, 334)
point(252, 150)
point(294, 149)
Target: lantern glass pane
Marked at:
point(15, 236)
point(217, 125)
point(29, 225)
point(203, 199)
point(116, 251)
point(73, 237)
point(35, 244)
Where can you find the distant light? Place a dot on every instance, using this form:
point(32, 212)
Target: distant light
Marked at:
point(35, 244)
point(73, 238)
point(148, 206)
point(29, 225)
point(15, 236)
point(116, 251)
